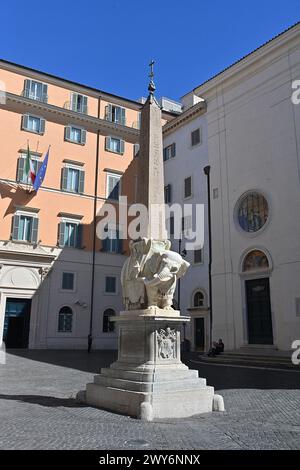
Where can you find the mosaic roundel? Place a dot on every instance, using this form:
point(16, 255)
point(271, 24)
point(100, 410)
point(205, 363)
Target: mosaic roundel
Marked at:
point(253, 212)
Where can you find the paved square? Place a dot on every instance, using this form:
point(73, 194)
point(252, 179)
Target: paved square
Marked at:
point(38, 409)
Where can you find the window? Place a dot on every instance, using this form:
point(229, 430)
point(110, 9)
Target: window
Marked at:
point(72, 180)
point(22, 175)
point(256, 259)
point(198, 300)
point(196, 137)
point(171, 225)
point(68, 281)
point(75, 135)
point(35, 90)
point(65, 320)
point(114, 144)
point(169, 152)
point(113, 187)
point(186, 224)
point(79, 103)
point(168, 194)
point(110, 285)
point(198, 256)
point(253, 212)
point(108, 326)
point(112, 243)
point(33, 124)
point(25, 228)
point(70, 234)
point(188, 187)
point(115, 114)
point(215, 193)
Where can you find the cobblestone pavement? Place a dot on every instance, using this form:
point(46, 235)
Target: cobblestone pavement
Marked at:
point(38, 410)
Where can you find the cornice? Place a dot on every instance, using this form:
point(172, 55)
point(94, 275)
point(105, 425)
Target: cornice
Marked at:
point(186, 116)
point(266, 53)
point(64, 116)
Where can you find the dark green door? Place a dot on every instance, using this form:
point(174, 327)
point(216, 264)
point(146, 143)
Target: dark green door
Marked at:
point(260, 329)
point(199, 334)
point(16, 323)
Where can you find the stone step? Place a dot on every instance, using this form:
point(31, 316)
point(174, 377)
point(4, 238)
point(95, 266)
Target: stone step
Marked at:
point(150, 376)
point(250, 361)
point(163, 386)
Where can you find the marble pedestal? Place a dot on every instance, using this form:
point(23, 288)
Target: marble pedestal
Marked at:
point(148, 380)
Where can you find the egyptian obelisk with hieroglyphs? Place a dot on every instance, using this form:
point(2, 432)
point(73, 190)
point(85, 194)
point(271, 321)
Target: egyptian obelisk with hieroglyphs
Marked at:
point(148, 380)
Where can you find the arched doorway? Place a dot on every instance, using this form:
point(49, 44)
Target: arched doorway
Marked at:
point(258, 304)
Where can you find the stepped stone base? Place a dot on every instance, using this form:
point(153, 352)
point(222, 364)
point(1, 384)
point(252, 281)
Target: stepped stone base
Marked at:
point(149, 381)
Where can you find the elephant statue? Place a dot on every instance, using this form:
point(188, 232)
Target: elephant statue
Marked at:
point(150, 274)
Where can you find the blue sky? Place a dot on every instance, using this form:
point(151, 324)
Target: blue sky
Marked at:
point(109, 43)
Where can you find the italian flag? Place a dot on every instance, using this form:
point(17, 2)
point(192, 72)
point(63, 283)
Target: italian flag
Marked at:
point(29, 168)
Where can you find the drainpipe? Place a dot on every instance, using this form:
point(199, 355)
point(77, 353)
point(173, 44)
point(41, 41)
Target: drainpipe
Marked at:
point(207, 173)
point(90, 336)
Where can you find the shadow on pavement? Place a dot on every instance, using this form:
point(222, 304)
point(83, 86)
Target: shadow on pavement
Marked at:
point(221, 377)
point(79, 359)
point(43, 400)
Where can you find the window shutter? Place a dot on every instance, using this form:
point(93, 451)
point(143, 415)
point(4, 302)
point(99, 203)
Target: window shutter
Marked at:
point(173, 150)
point(84, 105)
point(123, 116)
point(67, 132)
point(27, 84)
point(42, 126)
point(165, 154)
point(169, 193)
point(20, 170)
point(122, 146)
point(34, 230)
point(64, 179)
point(79, 236)
point(25, 121)
point(119, 244)
point(83, 136)
point(105, 244)
point(15, 230)
point(81, 182)
point(45, 93)
point(61, 233)
point(107, 143)
point(73, 102)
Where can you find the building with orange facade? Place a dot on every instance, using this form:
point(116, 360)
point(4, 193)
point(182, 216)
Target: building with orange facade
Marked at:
point(58, 282)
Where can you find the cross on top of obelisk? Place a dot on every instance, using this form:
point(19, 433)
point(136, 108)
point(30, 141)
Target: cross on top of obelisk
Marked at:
point(151, 87)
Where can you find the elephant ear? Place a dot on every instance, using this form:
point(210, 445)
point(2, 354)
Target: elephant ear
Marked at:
point(168, 244)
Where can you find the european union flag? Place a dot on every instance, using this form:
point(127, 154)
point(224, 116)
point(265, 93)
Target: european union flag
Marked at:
point(41, 173)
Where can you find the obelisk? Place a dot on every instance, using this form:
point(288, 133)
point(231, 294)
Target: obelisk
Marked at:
point(150, 177)
point(148, 380)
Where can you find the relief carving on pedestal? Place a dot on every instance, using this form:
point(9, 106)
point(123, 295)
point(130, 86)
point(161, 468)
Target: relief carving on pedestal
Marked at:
point(166, 340)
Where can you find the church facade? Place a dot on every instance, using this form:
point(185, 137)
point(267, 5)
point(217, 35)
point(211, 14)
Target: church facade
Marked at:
point(253, 136)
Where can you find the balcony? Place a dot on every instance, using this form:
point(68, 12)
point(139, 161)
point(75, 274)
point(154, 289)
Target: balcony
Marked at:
point(78, 108)
point(42, 97)
point(111, 117)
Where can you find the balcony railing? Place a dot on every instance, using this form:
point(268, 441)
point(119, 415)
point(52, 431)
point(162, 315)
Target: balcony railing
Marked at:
point(112, 118)
point(83, 109)
point(35, 96)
